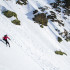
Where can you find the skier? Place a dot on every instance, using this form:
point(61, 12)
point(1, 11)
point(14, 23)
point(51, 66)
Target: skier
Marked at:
point(5, 39)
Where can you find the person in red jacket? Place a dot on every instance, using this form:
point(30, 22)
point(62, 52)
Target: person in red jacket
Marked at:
point(5, 39)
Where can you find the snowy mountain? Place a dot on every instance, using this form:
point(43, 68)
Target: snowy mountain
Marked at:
point(34, 45)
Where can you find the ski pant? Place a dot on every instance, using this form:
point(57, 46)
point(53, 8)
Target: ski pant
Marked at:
point(6, 42)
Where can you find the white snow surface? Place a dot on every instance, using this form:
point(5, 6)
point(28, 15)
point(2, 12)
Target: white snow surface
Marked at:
point(32, 47)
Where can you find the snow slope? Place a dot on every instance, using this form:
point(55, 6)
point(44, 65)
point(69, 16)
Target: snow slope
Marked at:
point(32, 48)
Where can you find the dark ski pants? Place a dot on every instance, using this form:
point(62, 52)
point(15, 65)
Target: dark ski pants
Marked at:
point(6, 42)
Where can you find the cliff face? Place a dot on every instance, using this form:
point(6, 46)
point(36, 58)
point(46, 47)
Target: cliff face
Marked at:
point(67, 3)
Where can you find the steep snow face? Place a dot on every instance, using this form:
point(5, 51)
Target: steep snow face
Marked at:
point(32, 47)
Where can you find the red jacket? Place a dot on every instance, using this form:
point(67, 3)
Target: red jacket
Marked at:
point(5, 37)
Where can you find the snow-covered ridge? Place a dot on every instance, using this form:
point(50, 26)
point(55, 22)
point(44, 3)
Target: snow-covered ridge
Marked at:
point(32, 48)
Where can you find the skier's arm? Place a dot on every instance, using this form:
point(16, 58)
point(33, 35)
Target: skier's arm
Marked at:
point(8, 38)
